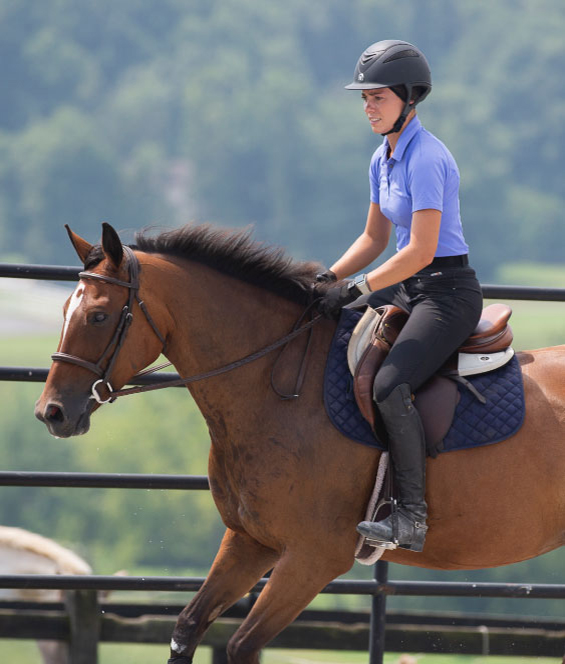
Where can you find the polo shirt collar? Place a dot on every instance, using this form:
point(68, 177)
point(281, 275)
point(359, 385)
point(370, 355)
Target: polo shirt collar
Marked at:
point(411, 129)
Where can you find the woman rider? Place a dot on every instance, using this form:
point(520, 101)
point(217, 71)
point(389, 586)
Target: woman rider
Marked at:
point(414, 185)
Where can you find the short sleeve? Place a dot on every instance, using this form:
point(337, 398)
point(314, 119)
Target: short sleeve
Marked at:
point(427, 179)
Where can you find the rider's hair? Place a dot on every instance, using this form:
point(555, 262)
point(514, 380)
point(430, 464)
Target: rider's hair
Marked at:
point(400, 91)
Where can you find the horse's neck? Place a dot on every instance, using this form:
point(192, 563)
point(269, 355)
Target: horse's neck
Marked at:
point(218, 319)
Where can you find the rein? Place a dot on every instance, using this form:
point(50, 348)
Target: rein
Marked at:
point(119, 337)
point(214, 372)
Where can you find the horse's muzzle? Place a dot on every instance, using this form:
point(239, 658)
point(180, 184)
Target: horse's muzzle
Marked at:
point(61, 421)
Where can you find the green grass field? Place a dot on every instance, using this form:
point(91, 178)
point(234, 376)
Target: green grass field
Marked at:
point(26, 652)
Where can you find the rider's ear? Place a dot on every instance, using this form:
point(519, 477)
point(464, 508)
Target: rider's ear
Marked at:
point(112, 245)
point(82, 247)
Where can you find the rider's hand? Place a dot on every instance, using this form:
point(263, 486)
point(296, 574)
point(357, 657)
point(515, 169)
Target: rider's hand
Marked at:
point(335, 298)
point(326, 277)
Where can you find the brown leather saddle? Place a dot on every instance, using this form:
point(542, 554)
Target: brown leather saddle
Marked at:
point(437, 399)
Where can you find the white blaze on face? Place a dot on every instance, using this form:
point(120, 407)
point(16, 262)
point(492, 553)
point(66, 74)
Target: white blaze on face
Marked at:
point(76, 299)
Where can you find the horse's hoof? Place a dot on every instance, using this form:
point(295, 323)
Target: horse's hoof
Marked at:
point(179, 660)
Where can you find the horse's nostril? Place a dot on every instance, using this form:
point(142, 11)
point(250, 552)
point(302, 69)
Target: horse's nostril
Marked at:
point(54, 413)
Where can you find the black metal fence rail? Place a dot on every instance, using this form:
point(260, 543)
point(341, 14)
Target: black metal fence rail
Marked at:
point(70, 273)
point(338, 587)
point(379, 588)
point(103, 480)
point(346, 616)
point(83, 622)
point(40, 272)
point(39, 375)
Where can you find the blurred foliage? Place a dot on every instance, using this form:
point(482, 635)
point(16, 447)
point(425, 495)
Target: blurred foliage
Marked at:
point(234, 112)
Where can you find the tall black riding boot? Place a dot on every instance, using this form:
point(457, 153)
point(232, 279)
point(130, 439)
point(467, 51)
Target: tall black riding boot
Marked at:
point(406, 526)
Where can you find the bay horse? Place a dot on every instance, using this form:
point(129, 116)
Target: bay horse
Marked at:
point(289, 487)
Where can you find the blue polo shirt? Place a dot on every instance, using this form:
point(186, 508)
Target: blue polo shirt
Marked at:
point(421, 175)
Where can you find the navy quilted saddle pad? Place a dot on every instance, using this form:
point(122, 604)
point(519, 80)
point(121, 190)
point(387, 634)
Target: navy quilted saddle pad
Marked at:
point(474, 424)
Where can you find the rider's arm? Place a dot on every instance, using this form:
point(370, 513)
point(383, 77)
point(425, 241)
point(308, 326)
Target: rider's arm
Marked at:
point(367, 247)
point(419, 252)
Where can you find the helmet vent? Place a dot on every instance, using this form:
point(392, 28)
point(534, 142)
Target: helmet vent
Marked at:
point(370, 55)
point(407, 53)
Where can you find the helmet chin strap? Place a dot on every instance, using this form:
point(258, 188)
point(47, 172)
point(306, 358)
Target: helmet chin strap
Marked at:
point(408, 106)
point(397, 126)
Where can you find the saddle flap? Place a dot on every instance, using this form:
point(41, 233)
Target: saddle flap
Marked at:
point(436, 401)
point(364, 377)
point(377, 331)
point(361, 337)
point(392, 319)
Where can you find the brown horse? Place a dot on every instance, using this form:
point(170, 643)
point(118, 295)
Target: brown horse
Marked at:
point(289, 487)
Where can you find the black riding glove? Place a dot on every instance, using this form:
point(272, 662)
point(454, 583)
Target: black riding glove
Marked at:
point(335, 298)
point(326, 277)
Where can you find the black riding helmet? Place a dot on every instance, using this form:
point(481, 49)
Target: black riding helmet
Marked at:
point(394, 64)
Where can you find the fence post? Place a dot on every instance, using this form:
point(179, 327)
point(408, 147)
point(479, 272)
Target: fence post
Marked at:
point(219, 656)
point(84, 626)
point(378, 617)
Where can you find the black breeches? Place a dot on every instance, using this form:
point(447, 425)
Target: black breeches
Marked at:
point(445, 307)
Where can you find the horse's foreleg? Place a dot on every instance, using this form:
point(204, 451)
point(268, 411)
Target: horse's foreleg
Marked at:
point(294, 583)
point(240, 562)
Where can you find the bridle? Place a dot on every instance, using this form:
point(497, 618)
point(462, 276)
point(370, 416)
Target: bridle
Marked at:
point(120, 334)
point(119, 337)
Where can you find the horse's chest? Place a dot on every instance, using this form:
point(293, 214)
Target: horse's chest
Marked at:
point(242, 490)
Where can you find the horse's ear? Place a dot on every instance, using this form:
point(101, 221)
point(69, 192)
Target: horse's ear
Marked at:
point(82, 247)
point(112, 245)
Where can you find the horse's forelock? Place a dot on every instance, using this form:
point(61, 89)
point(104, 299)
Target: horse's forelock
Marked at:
point(94, 258)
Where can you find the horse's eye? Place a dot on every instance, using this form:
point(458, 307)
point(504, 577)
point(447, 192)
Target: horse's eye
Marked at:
point(99, 317)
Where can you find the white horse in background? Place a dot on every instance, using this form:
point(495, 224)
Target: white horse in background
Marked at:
point(23, 552)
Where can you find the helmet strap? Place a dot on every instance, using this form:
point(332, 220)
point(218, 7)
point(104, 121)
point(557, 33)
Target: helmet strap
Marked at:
point(408, 106)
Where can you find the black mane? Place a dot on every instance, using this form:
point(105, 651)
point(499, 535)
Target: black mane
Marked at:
point(235, 253)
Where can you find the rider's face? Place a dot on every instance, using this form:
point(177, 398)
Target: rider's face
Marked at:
point(382, 107)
